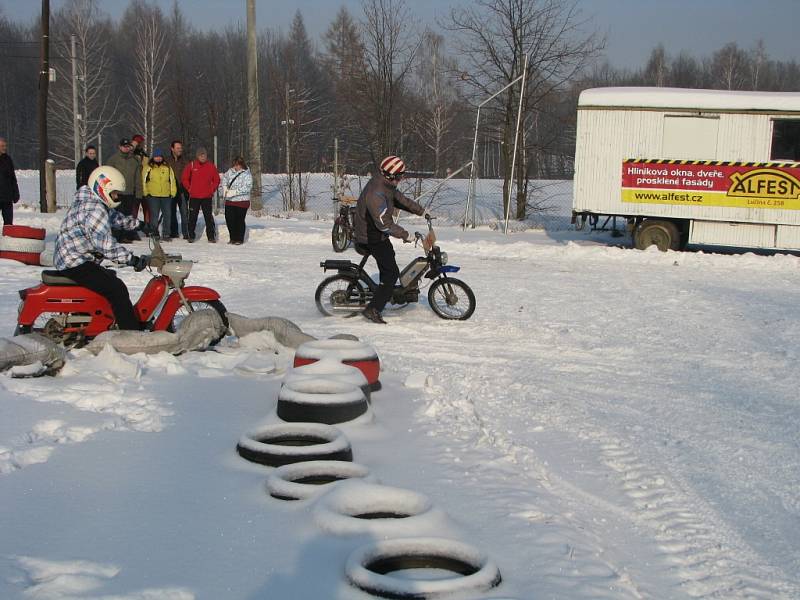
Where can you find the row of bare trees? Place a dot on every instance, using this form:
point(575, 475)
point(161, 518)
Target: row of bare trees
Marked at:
point(377, 80)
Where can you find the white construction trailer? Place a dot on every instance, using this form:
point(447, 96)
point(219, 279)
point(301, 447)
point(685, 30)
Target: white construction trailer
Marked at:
point(691, 166)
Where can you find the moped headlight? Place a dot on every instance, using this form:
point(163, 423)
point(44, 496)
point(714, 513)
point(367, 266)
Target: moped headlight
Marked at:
point(444, 258)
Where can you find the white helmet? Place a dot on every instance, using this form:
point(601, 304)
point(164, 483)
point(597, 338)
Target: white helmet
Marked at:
point(103, 181)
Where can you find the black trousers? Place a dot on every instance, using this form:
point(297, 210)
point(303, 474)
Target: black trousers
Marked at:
point(234, 219)
point(126, 202)
point(179, 205)
point(383, 253)
point(106, 283)
point(8, 214)
point(195, 206)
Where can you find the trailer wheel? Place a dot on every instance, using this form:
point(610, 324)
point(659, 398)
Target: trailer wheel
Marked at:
point(652, 232)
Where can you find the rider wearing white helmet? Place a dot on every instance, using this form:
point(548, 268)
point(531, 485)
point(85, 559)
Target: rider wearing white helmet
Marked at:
point(85, 239)
point(374, 225)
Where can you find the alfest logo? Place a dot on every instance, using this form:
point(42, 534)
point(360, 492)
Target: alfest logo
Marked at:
point(765, 183)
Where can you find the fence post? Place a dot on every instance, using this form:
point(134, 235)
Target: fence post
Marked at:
point(50, 184)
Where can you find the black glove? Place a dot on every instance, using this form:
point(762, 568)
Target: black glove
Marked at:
point(147, 229)
point(428, 217)
point(139, 263)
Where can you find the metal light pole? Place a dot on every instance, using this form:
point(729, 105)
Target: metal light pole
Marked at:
point(75, 115)
point(253, 109)
point(41, 105)
point(287, 122)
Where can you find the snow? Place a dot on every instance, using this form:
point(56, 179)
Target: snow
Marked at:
point(609, 424)
point(659, 97)
point(343, 350)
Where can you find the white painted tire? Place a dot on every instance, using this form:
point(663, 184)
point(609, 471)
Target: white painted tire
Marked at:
point(304, 480)
point(337, 348)
point(283, 444)
point(368, 568)
point(321, 400)
point(356, 507)
point(330, 368)
point(12, 244)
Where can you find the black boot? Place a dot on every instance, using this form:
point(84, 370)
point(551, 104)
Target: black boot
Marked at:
point(373, 315)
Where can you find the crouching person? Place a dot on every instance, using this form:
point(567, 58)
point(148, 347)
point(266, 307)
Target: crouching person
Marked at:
point(85, 239)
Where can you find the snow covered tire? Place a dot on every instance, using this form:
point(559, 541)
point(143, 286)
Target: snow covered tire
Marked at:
point(328, 368)
point(283, 444)
point(300, 481)
point(357, 507)
point(28, 258)
point(23, 231)
point(349, 352)
point(28, 246)
point(369, 568)
point(321, 400)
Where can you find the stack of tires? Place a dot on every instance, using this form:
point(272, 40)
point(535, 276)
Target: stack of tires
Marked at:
point(331, 385)
point(23, 244)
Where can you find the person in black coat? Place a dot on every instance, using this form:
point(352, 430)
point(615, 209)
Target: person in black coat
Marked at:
point(9, 190)
point(85, 167)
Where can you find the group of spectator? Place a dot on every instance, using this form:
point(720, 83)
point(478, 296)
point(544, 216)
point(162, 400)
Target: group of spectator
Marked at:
point(166, 187)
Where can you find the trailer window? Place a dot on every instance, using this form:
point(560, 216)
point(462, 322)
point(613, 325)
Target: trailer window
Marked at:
point(690, 138)
point(785, 140)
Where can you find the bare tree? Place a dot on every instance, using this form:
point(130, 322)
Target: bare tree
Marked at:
point(494, 37)
point(657, 69)
point(438, 94)
point(391, 41)
point(97, 103)
point(729, 67)
point(149, 92)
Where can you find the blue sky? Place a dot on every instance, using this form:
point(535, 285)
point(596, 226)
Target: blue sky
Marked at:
point(632, 27)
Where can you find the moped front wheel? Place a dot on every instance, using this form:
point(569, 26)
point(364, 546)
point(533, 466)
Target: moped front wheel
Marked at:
point(451, 299)
point(341, 296)
point(183, 312)
point(339, 238)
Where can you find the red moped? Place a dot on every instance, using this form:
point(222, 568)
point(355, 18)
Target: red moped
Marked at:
point(70, 314)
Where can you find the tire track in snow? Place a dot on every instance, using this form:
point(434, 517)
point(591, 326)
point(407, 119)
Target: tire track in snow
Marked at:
point(703, 557)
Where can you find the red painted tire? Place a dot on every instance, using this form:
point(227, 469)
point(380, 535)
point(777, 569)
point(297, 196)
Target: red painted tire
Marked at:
point(22, 231)
point(29, 258)
point(349, 352)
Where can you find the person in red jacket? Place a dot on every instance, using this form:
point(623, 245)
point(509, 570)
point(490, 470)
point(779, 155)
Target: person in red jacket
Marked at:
point(201, 179)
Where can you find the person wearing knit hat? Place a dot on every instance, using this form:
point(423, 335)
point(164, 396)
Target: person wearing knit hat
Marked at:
point(159, 185)
point(201, 180)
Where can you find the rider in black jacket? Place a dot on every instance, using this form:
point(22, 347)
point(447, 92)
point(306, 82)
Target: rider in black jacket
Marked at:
point(374, 224)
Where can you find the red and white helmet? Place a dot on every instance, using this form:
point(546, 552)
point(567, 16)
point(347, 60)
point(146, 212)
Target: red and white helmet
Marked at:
point(103, 181)
point(393, 167)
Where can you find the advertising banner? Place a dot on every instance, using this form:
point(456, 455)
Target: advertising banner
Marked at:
point(712, 183)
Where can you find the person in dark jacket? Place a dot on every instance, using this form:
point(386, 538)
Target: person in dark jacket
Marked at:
point(9, 189)
point(85, 167)
point(201, 180)
point(374, 225)
point(180, 203)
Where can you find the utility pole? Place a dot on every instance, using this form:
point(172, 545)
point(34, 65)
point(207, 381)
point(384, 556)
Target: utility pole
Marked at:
point(75, 115)
point(286, 122)
point(41, 105)
point(253, 109)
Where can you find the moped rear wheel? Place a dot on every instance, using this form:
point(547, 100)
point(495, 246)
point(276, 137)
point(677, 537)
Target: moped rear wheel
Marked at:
point(451, 299)
point(183, 312)
point(340, 296)
point(339, 238)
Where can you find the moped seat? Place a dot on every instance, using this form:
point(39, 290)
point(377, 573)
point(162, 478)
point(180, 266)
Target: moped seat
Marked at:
point(56, 278)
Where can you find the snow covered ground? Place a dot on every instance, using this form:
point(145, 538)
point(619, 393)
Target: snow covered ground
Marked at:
point(609, 424)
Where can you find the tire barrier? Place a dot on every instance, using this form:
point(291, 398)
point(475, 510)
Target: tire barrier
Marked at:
point(33, 350)
point(304, 480)
point(284, 444)
point(24, 232)
point(329, 369)
point(356, 507)
point(370, 568)
point(321, 401)
point(350, 352)
point(22, 244)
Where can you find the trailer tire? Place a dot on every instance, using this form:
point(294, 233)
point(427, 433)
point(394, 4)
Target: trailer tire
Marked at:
point(653, 232)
